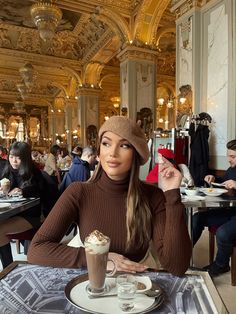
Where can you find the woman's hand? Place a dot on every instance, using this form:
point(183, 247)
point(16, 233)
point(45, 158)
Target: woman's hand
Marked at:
point(15, 191)
point(230, 184)
point(169, 177)
point(124, 264)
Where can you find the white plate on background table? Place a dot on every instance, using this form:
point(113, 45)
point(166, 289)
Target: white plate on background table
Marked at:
point(193, 198)
point(213, 191)
point(12, 199)
point(76, 294)
point(4, 206)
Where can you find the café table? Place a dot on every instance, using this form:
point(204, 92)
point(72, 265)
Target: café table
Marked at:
point(205, 203)
point(18, 207)
point(193, 205)
point(27, 288)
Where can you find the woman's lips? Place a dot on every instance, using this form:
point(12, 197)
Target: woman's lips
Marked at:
point(113, 164)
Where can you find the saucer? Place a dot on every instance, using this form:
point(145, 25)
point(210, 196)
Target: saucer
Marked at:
point(4, 206)
point(12, 199)
point(77, 295)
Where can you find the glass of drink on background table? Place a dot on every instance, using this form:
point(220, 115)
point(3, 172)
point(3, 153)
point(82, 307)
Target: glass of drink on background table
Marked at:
point(5, 186)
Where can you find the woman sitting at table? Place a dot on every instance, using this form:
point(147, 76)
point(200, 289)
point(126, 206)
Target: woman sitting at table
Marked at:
point(24, 179)
point(117, 203)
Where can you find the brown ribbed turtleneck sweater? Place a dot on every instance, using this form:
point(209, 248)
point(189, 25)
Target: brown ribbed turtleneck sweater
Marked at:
point(101, 205)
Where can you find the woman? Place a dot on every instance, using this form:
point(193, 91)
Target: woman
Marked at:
point(27, 180)
point(51, 164)
point(132, 213)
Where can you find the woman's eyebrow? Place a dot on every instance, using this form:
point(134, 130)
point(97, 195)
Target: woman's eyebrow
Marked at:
point(120, 141)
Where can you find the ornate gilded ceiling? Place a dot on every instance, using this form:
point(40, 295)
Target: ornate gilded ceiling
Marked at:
point(84, 49)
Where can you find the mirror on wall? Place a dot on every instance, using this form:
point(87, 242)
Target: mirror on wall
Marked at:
point(173, 111)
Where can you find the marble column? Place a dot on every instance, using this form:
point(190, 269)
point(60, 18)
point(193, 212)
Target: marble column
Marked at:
point(68, 123)
point(88, 111)
point(138, 80)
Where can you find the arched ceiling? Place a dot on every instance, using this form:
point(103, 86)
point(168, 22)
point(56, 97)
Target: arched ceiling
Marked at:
point(85, 46)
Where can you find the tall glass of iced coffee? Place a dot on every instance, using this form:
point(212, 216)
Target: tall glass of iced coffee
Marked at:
point(96, 250)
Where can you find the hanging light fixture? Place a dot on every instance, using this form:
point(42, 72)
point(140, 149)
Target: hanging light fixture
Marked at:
point(28, 75)
point(46, 17)
point(22, 89)
point(19, 105)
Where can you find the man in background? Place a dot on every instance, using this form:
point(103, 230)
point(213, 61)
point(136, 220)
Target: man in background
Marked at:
point(224, 219)
point(80, 168)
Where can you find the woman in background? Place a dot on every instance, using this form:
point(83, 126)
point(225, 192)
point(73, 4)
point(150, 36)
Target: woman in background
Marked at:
point(51, 164)
point(24, 179)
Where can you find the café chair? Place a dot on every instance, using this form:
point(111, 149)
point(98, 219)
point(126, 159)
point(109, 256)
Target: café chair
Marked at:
point(212, 232)
point(25, 237)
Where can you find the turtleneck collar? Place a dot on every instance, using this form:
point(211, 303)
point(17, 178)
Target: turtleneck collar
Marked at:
point(112, 186)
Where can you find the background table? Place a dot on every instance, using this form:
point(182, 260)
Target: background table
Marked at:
point(26, 288)
point(18, 207)
point(208, 203)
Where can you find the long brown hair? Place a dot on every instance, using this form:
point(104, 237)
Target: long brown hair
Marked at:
point(138, 213)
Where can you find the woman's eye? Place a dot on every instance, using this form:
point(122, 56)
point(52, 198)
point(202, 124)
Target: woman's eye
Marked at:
point(126, 145)
point(105, 143)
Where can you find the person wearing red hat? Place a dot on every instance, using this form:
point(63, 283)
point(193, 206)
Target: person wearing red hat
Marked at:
point(187, 179)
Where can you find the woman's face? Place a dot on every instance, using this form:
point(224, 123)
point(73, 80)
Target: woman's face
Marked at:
point(15, 161)
point(116, 156)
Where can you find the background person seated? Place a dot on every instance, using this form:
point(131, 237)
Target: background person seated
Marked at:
point(80, 168)
point(26, 179)
point(187, 179)
point(224, 219)
point(51, 164)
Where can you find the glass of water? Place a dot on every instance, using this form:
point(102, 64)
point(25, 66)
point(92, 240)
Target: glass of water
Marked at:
point(126, 290)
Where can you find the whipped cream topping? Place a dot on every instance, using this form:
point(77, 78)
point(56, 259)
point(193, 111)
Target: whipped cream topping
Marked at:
point(97, 243)
point(5, 181)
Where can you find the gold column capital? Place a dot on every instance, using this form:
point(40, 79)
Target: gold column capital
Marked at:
point(132, 52)
point(85, 90)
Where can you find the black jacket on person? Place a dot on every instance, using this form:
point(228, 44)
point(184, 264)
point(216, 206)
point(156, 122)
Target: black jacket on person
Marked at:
point(230, 174)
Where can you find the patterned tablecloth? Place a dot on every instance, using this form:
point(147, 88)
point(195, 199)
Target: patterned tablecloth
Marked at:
point(35, 289)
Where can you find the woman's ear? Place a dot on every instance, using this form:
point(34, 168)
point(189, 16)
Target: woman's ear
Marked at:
point(139, 122)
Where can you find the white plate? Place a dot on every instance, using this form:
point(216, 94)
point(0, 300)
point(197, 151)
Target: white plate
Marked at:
point(4, 206)
point(213, 191)
point(12, 199)
point(76, 293)
point(193, 198)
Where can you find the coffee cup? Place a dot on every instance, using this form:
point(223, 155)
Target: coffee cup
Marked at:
point(96, 250)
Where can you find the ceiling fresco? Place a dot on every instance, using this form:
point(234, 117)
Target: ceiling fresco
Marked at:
point(84, 48)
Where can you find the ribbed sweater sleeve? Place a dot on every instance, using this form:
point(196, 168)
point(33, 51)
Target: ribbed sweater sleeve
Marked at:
point(170, 234)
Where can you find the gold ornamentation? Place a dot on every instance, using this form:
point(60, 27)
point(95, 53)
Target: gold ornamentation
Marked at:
point(46, 17)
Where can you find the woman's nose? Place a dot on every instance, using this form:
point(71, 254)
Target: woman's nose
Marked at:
point(113, 151)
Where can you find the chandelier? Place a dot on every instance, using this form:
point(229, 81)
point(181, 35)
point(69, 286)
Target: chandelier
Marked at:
point(46, 16)
point(28, 75)
point(22, 89)
point(19, 105)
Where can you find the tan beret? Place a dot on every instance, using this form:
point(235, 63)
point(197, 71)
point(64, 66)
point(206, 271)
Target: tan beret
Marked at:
point(129, 130)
